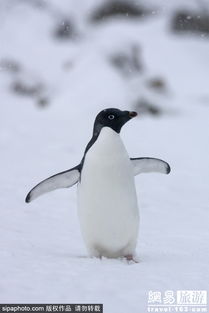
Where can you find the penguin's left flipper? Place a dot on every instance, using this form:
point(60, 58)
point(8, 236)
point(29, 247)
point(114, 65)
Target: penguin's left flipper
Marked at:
point(148, 165)
point(61, 180)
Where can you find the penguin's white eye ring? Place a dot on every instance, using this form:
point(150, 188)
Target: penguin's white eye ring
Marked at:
point(111, 117)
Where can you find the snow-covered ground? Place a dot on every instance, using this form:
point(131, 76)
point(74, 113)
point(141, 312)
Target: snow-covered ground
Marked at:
point(42, 255)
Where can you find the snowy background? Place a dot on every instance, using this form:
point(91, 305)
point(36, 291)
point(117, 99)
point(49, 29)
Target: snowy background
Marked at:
point(61, 62)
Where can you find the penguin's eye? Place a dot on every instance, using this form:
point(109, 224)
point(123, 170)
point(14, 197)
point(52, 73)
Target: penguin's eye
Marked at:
point(111, 117)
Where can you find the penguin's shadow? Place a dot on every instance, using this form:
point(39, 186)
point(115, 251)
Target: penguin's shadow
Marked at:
point(102, 259)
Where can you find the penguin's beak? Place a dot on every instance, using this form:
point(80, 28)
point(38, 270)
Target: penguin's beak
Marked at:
point(132, 114)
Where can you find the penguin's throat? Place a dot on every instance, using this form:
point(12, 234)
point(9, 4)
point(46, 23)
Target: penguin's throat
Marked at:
point(108, 143)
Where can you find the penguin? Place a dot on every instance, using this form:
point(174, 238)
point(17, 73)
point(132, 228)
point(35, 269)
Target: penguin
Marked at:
point(107, 200)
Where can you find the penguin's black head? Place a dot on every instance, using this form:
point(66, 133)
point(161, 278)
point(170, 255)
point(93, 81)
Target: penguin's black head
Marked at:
point(113, 118)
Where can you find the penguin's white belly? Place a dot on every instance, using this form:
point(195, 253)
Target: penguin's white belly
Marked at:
point(107, 203)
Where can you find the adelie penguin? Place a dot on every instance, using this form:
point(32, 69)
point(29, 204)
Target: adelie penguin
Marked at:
point(107, 201)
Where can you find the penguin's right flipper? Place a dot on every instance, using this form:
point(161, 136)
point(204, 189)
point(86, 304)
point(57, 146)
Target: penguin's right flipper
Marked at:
point(148, 165)
point(61, 180)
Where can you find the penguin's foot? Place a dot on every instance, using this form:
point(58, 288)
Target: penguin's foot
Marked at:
point(132, 258)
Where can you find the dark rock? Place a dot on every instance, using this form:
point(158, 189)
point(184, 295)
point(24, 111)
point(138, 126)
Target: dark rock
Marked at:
point(145, 107)
point(9, 66)
point(128, 63)
point(157, 84)
point(191, 22)
point(65, 30)
point(32, 89)
point(116, 8)
point(43, 102)
point(27, 89)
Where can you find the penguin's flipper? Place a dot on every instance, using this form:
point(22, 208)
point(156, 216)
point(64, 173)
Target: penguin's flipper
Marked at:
point(61, 180)
point(147, 165)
